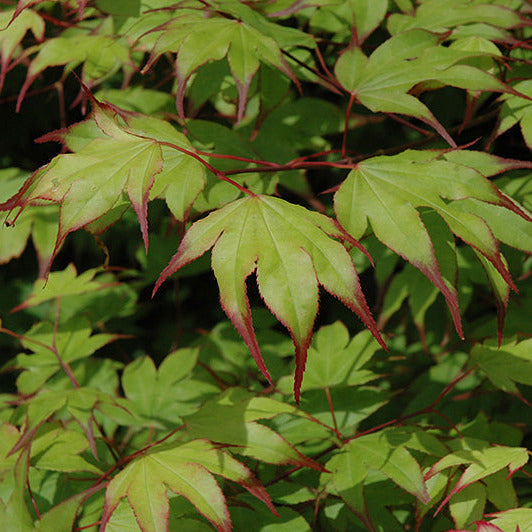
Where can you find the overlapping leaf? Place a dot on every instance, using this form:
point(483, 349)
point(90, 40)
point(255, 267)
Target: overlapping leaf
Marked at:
point(41, 223)
point(77, 404)
point(382, 81)
point(410, 283)
point(352, 19)
point(62, 284)
point(517, 110)
point(197, 40)
point(67, 342)
point(187, 470)
point(481, 460)
point(351, 465)
point(293, 253)
point(387, 191)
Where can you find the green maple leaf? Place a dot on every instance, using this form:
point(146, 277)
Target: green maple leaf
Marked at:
point(335, 359)
point(341, 18)
point(71, 340)
point(382, 81)
point(13, 27)
point(507, 365)
point(197, 40)
point(387, 191)
point(293, 253)
point(240, 411)
point(349, 468)
point(101, 56)
point(116, 169)
point(186, 469)
point(481, 459)
point(516, 109)
point(438, 17)
point(41, 222)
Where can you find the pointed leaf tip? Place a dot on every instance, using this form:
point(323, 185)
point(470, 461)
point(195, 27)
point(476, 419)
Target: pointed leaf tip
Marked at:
point(293, 251)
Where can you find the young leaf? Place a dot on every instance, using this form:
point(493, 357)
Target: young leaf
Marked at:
point(386, 192)
point(291, 249)
point(187, 470)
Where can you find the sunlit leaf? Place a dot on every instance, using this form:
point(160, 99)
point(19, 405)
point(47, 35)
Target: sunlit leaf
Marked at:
point(382, 81)
point(293, 252)
point(385, 193)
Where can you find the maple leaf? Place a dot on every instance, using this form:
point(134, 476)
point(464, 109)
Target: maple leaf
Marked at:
point(517, 110)
point(481, 461)
point(13, 27)
point(386, 191)
point(240, 412)
point(438, 17)
point(292, 252)
point(93, 185)
point(101, 56)
point(197, 40)
point(89, 183)
point(382, 81)
point(186, 469)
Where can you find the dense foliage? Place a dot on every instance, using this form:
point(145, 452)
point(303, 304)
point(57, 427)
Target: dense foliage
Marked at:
point(301, 297)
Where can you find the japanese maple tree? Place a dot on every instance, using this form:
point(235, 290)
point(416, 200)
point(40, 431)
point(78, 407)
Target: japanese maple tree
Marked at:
point(288, 151)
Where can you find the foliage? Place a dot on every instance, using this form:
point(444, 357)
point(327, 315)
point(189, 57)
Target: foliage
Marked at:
point(380, 150)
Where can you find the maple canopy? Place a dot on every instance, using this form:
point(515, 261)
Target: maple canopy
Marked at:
point(349, 181)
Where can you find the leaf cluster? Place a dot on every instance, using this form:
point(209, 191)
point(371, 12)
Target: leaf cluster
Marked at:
point(276, 270)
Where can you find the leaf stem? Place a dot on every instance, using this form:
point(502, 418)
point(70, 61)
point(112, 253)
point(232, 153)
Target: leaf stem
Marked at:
point(218, 173)
point(66, 367)
point(346, 125)
point(333, 415)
